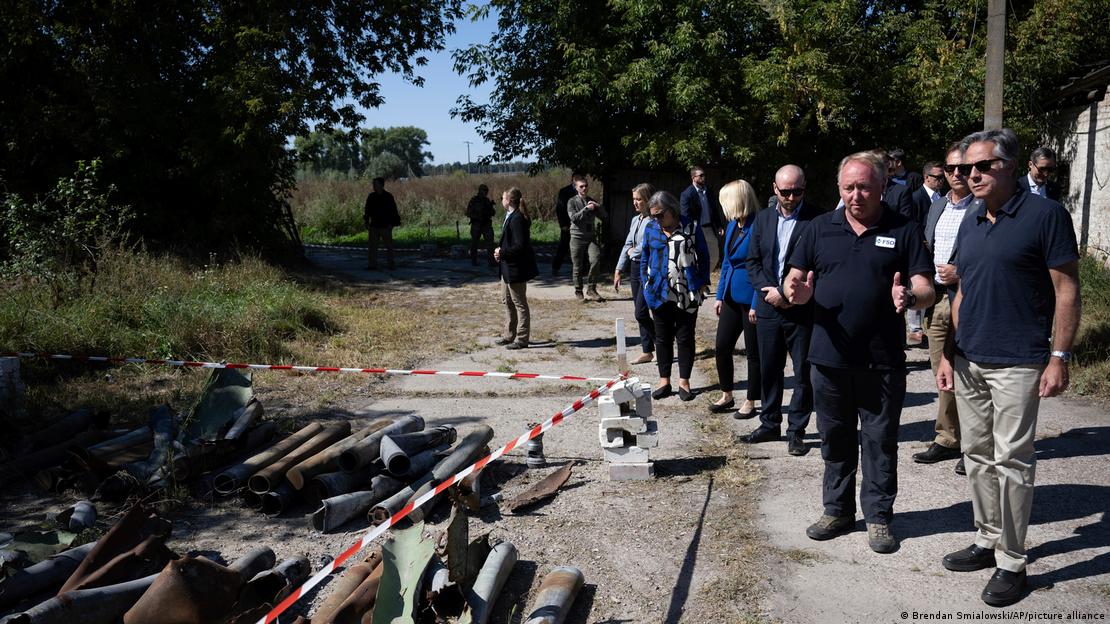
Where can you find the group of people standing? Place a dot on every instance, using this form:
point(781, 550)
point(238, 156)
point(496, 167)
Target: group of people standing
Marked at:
point(991, 267)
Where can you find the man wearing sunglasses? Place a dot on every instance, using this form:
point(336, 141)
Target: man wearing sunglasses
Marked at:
point(781, 327)
point(945, 216)
point(862, 266)
point(1042, 170)
point(929, 191)
point(1019, 280)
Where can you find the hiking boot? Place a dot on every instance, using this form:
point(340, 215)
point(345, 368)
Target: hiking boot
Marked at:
point(880, 539)
point(828, 527)
point(578, 295)
point(593, 294)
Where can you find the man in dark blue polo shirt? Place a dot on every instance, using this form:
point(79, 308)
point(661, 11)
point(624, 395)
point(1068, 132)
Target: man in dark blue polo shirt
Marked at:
point(1018, 267)
point(854, 263)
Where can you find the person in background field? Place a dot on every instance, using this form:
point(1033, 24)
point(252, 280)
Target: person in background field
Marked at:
point(674, 266)
point(1041, 179)
point(1019, 281)
point(517, 262)
point(781, 327)
point(854, 264)
point(631, 252)
point(585, 253)
point(941, 226)
point(380, 216)
point(735, 306)
point(563, 250)
point(699, 204)
point(480, 212)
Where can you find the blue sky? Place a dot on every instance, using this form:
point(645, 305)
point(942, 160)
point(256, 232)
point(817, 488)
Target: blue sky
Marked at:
point(428, 107)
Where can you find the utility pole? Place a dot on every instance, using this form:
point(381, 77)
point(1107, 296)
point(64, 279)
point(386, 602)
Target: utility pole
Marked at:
point(467, 157)
point(996, 51)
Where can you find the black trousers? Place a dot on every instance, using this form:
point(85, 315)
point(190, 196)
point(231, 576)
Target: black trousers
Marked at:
point(643, 313)
point(674, 325)
point(732, 322)
point(562, 252)
point(777, 337)
point(873, 399)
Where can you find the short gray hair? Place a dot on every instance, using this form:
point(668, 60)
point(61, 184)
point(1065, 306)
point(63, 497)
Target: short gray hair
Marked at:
point(666, 201)
point(870, 159)
point(1042, 152)
point(1005, 143)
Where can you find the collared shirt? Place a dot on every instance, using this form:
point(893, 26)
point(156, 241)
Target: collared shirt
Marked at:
point(706, 218)
point(1009, 302)
point(898, 179)
point(1036, 189)
point(948, 225)
point(633, 242)
point(782, 237)
point(855, 323)
point(930, 193)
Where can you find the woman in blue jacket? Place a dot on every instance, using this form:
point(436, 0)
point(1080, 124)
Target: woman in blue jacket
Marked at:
point(674, 267)
point(736, 298)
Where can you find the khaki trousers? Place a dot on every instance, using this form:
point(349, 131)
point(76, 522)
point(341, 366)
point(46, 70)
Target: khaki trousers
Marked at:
point(998, 408)
point(714, 246)
point(518, 319)
point(948, 419)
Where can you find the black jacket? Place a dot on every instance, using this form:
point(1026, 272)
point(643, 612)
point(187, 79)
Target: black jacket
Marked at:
point(898, 198)
point(921, 204)
point(381, 210)
point(518, 259)
point(690, 206)
point(1052, 188)
point(762, 259)
point(561, 200)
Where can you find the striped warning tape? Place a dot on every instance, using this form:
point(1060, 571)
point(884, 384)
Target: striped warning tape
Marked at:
point(291, 367)
point(375, 532)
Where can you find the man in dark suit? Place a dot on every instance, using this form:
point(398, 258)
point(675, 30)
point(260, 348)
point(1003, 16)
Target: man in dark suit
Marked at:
point(932, 189)
point(780, 326)
point(1042, 173)
point(517, 264)
point(912, 180)
point(896, 195)
point(562, 252)
point(703, 206)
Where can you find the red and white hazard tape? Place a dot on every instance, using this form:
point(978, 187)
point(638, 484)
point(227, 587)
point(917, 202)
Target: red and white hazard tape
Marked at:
point(369, 536)
point(303, 369)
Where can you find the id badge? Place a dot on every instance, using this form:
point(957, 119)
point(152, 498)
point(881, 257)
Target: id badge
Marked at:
point(886, 242)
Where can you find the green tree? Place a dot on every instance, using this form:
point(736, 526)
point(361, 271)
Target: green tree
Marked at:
point(190, 104)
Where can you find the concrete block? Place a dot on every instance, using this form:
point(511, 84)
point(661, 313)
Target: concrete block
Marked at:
point(631, 424)
point(626, 455)
point(642, 407)
point(622, 392)
point(608, 408)
point(631, 472)
point(650, 437)
point(614, 438)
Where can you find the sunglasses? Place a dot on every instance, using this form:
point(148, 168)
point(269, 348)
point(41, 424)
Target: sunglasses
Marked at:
point(934, 176)
point(981, 166)
point(794, 192)
point(1046, 170)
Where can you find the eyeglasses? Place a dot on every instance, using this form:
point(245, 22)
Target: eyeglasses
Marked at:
point(981, 166)
point(935, 176)
point(1045, 170)
point(794, 192)
point(655, 216)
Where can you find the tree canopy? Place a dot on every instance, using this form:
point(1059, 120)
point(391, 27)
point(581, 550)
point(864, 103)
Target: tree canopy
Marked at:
point(370, 152)
point(600, 85)
point(189, 106)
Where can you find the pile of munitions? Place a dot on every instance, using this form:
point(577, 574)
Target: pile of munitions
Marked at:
point(222, 443)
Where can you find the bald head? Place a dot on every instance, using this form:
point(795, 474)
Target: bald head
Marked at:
point(790, 186)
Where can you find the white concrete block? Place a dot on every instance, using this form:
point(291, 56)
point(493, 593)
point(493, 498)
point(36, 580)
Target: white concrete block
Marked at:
point(650, 437)
point(643, 406)
point(631, 424)
point(608, 408)
point(626, 455)
point(622, 393)
point(613, 438)
point(631, 472)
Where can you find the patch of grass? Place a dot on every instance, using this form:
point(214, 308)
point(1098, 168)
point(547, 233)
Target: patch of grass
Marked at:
point(801, 556)
point(1090, 375)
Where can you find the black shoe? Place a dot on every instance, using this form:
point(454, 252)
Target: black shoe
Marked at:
point(969, 559)
point(960, 469)
point(504, 341)
point(721, 408)
point(661, 392)
point(686, 395)
point(1005, 588)
point(795, 446)
point(828, 527)
point(517, 345)
point(761, 434)
point(936, 453)
point(742, 415)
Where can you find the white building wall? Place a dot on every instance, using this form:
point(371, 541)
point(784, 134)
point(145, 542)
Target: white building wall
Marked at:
point(1083, 143)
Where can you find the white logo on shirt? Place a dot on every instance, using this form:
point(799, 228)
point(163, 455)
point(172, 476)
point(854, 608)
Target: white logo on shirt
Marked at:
point(885, 242)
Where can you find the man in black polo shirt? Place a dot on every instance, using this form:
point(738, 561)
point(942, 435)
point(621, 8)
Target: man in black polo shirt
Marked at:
point(1018, 266)
point(855, 263)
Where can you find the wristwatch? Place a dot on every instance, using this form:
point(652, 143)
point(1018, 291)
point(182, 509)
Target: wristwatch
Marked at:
point(1065, 356)
point(911, 299)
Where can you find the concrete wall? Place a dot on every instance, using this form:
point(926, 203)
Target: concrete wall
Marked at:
point(1082, 140)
